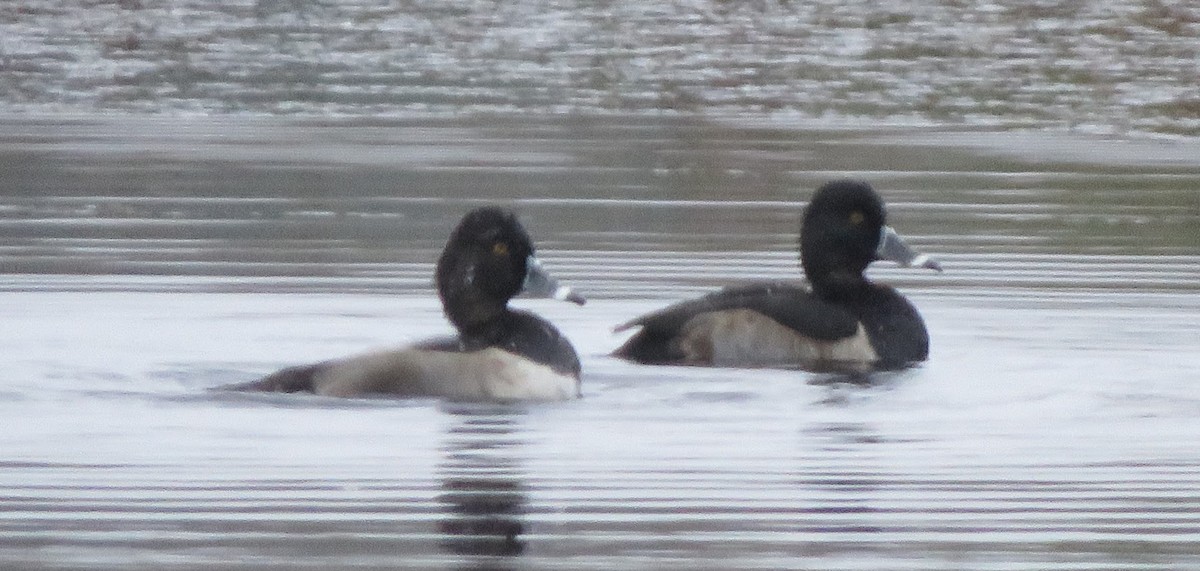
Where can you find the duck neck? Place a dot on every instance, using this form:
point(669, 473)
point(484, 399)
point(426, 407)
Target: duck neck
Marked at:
point(840, 286)
point(833, 273)
point(474, 318)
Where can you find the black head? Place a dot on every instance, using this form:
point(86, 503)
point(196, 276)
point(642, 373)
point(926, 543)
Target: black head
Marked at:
point(840, 234)
point(483, 265)
point(487, 261)
point(844, 230)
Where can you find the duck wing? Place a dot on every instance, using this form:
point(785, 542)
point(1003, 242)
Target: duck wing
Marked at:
point(791, 306)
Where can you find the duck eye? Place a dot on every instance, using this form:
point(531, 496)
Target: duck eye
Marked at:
point(500, 249)
point(856, 217)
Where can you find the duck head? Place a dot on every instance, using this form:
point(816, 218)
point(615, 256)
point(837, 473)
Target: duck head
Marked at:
point(488, 260)
point(844, 230)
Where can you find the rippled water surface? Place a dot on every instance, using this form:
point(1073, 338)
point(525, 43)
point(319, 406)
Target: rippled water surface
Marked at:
point(149, 259)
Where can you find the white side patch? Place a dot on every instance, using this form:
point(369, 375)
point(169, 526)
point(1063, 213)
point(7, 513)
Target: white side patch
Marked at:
point(487, 375)
point(746, 338)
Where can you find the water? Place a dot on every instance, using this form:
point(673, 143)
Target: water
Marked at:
point(147, 260)
point(196, 193)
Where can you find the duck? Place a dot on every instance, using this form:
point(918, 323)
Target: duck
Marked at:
point(840, 322)
point(499, 354)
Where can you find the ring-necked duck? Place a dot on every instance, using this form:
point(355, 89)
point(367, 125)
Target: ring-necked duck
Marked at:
point(843, 323)
point(500, 354)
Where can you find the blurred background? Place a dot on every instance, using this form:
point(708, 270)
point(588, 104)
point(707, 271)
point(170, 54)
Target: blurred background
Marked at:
point(1105, 67)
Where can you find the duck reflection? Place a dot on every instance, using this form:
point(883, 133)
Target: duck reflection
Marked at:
point(846, 486)
point(483, 492)
point(836, 380)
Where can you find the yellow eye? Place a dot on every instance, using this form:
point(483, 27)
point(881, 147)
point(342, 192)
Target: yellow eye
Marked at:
point(500, 249)
point(856, 217)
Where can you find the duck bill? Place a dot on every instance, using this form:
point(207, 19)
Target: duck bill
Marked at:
point(540, 284)
point(893, 248)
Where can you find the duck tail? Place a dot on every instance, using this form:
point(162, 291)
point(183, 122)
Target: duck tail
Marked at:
point(650, 347)
point(290, 380)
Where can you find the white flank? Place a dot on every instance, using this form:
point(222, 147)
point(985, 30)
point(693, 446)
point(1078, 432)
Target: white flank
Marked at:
point(486, 375)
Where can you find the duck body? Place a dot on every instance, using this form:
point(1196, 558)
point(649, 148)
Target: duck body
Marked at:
point(488, 375)
point(781, 325)
point(841, 321)
point(499, 355)
point(521, 357)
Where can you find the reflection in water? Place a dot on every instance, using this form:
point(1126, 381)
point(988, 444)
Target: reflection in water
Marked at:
point(846, 486)
point(482, 488)
point(839, 388)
